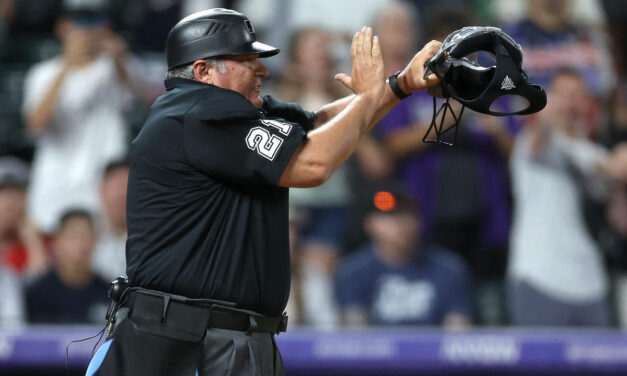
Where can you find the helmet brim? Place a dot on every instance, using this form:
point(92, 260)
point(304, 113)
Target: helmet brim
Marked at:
point(264, 50)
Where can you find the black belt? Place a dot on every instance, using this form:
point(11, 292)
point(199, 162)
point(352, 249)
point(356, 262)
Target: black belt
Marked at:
point(191, 315)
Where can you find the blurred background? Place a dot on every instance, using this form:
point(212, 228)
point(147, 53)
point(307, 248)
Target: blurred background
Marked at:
point(518, 230)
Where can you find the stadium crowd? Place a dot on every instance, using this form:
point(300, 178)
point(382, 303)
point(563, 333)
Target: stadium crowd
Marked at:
point(523, 222)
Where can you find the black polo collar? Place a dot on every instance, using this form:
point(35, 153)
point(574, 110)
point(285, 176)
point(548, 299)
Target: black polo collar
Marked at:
point(174, 82)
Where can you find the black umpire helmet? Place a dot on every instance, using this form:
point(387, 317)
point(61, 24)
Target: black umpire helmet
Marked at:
point(210, 33)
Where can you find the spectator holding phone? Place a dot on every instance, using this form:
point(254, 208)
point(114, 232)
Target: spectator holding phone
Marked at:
point(73, 105)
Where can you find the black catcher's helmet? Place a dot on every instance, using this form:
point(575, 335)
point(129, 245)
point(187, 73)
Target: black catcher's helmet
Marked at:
point(475, 86)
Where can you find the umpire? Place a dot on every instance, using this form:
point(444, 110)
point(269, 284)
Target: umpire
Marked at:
point(207, 251)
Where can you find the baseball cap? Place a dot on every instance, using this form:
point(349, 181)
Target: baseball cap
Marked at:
point(391, 197)
point(90, 13)
point(13, 173)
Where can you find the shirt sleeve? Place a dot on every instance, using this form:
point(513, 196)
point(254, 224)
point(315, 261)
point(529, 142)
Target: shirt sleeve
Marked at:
point(35, 85)
point(289, 111)
point(253, 151)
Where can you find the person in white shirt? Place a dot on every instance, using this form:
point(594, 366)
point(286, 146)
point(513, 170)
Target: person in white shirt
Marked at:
point(109, 260)
point(12, 307)
point(73, 105)
point(556, 271)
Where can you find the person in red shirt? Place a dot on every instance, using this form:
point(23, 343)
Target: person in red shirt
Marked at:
point(22, 247)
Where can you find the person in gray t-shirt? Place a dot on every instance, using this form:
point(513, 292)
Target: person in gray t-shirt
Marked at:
point(12, 307)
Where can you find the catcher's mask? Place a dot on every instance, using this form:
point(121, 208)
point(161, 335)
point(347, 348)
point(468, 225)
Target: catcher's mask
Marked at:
point(474, 86)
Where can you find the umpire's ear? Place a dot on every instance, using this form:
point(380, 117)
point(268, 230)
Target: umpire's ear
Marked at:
point(204, 72)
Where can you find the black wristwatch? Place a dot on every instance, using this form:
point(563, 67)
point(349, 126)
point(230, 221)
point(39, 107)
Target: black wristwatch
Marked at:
point(395, 88)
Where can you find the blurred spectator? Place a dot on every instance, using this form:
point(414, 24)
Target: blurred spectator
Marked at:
point(617, 129)
point(616, 165)
point(343, 17)
point(551, 39)
point(109, 260)
point(616, 13)
point(395, 25)
point(371, 164)
point(145, 24)
point(73, 104)
point(616, 168)
point(279, 19)
point(556, 272)
point(616, 241)
point(308, 80)
point(463, 191)
point(308, 74)
point(613, 239)
point(12, 308)
point(399, 280)
point(589, 12)
point(70, 293)
point(21, 246)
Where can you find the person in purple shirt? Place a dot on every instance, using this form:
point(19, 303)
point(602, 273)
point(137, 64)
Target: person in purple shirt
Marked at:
point(463, 191)
point(397, 279)
point(464, 188)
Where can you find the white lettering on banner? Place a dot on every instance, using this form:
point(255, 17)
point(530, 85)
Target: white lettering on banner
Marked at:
point(264, 143)
point(483, 350)
point(598, 354)
point(355, 349)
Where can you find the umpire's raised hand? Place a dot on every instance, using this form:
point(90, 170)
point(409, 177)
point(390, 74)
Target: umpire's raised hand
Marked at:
point(367, 77)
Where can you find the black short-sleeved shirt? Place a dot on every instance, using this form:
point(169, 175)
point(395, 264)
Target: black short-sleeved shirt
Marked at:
point(49, 301)
point(206, 218)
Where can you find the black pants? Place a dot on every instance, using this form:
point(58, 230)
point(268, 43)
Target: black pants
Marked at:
point(134, 350)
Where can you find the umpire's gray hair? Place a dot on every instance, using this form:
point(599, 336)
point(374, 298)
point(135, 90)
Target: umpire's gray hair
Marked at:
point(187, 70)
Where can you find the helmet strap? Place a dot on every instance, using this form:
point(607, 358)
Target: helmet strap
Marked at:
point(439, 129)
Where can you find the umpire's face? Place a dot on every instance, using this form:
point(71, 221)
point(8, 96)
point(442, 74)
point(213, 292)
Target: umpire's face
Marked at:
point(243, 74)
